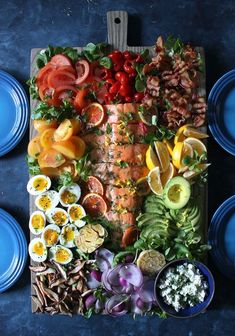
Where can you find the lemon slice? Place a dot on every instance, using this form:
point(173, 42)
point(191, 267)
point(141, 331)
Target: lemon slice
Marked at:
point(154, 180)
point(169, 146)
point(179, 137)
point(168, 174)
point(197, 145)
point(150, 262)
point(163, 155)
point(177, 154)
point(142, 186)
point(151, 159)
point(194, 133)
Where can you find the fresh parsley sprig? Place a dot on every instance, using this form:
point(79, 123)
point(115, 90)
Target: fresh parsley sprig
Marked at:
point(46, 112)
point(33, 165)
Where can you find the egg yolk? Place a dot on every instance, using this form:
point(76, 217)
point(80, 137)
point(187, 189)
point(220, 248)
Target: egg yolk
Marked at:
point(45, 202)
point(62, 255)
point(59, 218)
point(68, 197)
point(37, 222)
point(51, 237)
point(68, 234)
point(38, 249)
point(75, 213)
point(40, 184)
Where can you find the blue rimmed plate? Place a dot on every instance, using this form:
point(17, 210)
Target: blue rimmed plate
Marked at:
point(222, 237)
point(13, 250)
point(14, 112)
point(221, 111)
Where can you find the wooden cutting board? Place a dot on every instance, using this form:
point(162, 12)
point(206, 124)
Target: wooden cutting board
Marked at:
point(117, 25)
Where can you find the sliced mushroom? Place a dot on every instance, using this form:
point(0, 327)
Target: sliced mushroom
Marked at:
point(38, 303)
point(37, 268)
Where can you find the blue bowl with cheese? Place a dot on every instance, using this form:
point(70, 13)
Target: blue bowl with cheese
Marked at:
point(184, 288)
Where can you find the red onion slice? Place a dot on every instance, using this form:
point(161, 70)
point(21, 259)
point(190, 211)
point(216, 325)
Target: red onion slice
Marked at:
point(132, 274)
point(146, 291)
point(104, 259)
point(117, 305)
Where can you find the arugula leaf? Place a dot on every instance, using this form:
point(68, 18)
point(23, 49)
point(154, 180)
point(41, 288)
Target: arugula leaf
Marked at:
point(93, 52)
point(145, 55)
point(33, 88)
point(33, 165)
point(106, 62)
point(46, 112)
point(45, 55)
point(140, 79)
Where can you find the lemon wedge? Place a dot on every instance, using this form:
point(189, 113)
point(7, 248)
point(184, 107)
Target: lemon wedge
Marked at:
point(154, 180)
point(151, 159)
point(163, 155)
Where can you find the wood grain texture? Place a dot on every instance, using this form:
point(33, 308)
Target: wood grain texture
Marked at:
point(117, 38)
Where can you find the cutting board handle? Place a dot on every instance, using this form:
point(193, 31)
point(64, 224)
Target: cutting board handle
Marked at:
point(117, 29)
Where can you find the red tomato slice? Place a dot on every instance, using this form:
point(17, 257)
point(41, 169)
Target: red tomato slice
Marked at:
point(65, 91)
point(44, 90)
point(130, 235)
point(80, 100)
point(60, 59)
point(59, 77)
point(43, 74)
point(83, 69)
point(67, 68)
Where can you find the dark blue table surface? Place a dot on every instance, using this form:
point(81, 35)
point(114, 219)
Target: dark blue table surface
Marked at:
point(26, 24)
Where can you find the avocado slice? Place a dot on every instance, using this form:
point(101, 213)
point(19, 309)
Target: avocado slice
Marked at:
point(176, 193)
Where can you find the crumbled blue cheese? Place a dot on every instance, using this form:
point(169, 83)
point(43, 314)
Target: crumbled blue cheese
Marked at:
point(182, 286)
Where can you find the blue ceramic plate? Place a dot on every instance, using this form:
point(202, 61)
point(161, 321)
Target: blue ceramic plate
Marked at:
point(13, 250)
point(221, 111)
point(14, 112)
point(222, 237)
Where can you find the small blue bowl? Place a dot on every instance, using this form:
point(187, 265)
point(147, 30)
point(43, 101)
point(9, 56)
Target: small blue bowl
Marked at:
point(188, 311)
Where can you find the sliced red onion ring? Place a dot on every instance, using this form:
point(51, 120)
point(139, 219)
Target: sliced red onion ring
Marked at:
point(92, 282)
point(114, 276)
point(105, 281)
point(117, 305)
point(104, 259)
point(146, 291)
point(96, 275)
point(138, 306)
point(132, 274)
point(90, 300)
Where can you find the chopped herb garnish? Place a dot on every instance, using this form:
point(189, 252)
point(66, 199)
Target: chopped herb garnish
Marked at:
point(33, 165)
point(106, 62)
point(108, 128)
point(46, 112)
point(33, 88)
point(122, 164)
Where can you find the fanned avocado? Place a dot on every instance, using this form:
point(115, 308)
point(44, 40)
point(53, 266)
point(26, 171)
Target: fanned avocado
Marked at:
point(176, 193)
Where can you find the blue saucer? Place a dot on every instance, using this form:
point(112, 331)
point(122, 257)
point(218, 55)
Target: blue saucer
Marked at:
point(14, 112)
point(222, 237)
point(221, 111)
point(13, 250)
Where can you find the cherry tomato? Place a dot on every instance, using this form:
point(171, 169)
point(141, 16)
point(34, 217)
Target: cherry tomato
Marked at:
point(109, 98)
point(106, 73)
point(128, 99)
point(110, 81)
point(128, 55)
point(117, 59)
point(128, 67)
point(138, 97)
point(83, 69)
point(122, 77)
point(139, 59)
point(125, 90)
point(115, 88)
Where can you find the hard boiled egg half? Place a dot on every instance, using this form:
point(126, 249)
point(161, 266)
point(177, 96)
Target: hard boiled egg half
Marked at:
point(76, 213)
point(47, 201)
point(37, 250)
point(37, 222)
point(38, 184)
point(57, 216)
point(50, 235)
point(68, 235)
point(61, 254)
point(69, 194)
